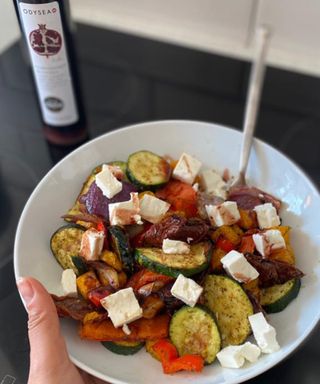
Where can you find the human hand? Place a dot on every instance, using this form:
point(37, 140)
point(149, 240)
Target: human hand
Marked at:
point(49, 359)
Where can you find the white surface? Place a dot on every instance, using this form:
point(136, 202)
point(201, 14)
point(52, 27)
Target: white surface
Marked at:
point(268, 169)
point(219, 26)
point(186, 290)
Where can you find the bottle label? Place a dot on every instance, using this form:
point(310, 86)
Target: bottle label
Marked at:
point(43, 30)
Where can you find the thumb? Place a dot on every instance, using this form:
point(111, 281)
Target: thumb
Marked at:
point(49, 358)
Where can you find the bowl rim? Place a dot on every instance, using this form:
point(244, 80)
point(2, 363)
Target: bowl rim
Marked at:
point(296, 344)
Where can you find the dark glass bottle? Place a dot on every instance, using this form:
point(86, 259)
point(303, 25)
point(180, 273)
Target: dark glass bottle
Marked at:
point(45, 25)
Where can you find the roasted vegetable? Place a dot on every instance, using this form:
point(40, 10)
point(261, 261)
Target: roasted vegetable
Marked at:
point(149, 344)
point(112, 259)
point(107, 275)
point(87, 282)
point(80, 264)
point(141, 330)
point(278, 297)
point(231, 307)
point(175, 228)
point(273, 272)
point(74, 307)
point(173, 264)
point(125, 348)
point(65, 243)
point(194, 331)
point(121, 246)
point(181, 196)
point(151, 306)
point(147, 170)
point(144, 277)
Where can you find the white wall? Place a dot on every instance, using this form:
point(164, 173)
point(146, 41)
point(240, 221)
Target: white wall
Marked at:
point(221, 26)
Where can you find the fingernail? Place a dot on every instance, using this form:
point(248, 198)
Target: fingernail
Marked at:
point(25, 289)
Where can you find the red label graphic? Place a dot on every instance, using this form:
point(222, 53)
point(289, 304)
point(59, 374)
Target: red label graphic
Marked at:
point(45, 42)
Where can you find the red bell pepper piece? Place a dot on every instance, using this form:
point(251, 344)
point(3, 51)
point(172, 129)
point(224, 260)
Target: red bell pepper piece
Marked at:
point(224, 244)
point(247, 245)
point(144, 276)
point(171, 363)
point(99, 293)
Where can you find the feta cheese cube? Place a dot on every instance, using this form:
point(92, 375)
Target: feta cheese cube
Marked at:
point(68, 282)
point(267, 216)
point(186, 290)
point(250, 352)
point(264, 333)
point(213, 183)
point(175, 246)
point(231, 357)
point(122, 307)
point(115, 170)
point(226, 213)
point(153, 209)
point(125, 212)
point(268, 241)
point(91, 244)
point(186, 169)
point(108, 183)
point(237, 266)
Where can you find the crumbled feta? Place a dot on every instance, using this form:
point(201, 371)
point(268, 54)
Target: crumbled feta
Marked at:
point(153, 209)
point(122, 307)
point(237, 266)
point(250, 352)
point(213, 183)
point(195, 187)
point(175, 246)
point(186, 290)
point(264, 333)
point(186, 169)
point(267, 216)
point(108, 183)
point(91, 244)
point(268, 241)
point(69, 282)
point(125, 212)
point(231, 357)
point(226, 213)
point(115, 170)
point(234, 356)
point(126, 329)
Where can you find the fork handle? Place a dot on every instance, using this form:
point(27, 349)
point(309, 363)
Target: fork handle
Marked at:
point(253, 97)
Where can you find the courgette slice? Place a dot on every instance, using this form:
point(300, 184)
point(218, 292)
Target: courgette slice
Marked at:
point(275, 299)
point(231, 307)
point(146, 170)
point(65, 243)
point(80, 264)
point(173, 264)
point(121, 246)
point(194, 331)
point(125, 348)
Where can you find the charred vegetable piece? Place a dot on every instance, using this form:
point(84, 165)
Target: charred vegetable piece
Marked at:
point(125, 348)
point(151, 306)
point(194, 331)
point(107, 275)
point(175, 228)
point(277, 298)
point(273, 272)
point(95, 295)
point(231, 307)
point(112, 259)
point(172, 303)
point(122, 277)
point(149, 349)
point(87, 282)
point(173, 264)
point(144, 277)
point(121, 246)
point(80, 264)
point(141, 330)
point(147, 170)
point(122, 165)
point(181, 196)
point(65, 243)
point(69, 306)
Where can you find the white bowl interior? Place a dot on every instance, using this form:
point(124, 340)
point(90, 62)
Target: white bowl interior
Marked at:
point(217, 147)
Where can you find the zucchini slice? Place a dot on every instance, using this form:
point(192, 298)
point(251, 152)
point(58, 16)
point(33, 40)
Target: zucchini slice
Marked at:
point(80, 264)
point(173, 264)
point(121, 246)
point(194, 331)
point(275, 299)
point(125, 348)
point(65, 243)
point(231, 307)
point(146, 170)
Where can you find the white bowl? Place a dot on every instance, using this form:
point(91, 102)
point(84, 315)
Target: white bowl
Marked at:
point(217, 147)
